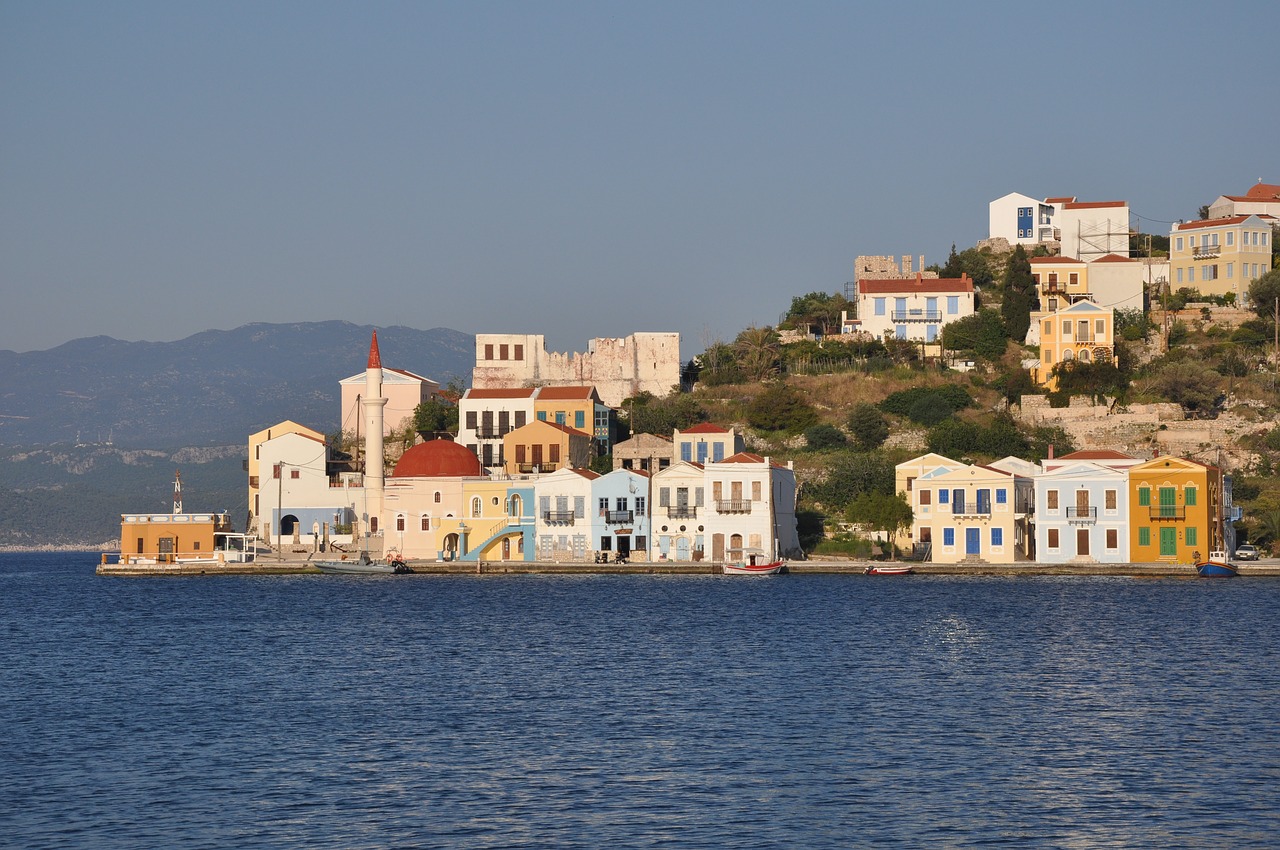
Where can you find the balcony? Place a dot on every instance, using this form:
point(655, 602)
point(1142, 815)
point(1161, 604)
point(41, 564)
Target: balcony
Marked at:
point(1081, 515)
point(490, 432)
point(682, 512)
point(529, 468)
point(1205, 252)
point(917, 315)
point(1168, 512)
point(733, 506)
point(565, 517)
point(618, 517)
point(978, 511)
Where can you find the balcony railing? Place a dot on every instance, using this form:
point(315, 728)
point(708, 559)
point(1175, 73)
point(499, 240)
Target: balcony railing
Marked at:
point(527, 468)
point(917, 315)
point(558, 516)
point(618, 517)
point(1082, 514)
point(1168, 512)
point(682, 512)
point(971, 510)
point(733, 506)
point(1204, 252)
point(490, 432)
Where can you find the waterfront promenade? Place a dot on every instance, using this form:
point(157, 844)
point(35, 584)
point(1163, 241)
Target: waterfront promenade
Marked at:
point(296, 564)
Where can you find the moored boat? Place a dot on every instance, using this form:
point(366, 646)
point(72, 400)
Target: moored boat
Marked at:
point(364, 566)
point(750, 567)
point(896, 570)
point(1218, 565)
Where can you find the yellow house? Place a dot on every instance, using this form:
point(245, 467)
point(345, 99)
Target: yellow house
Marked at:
point(1061, 281)
point(255, 449)
point(545, 447)
point(905, 476)
point(1083, 331)
point(169, 538)
point(1220, 255)
point(1175, 506)
point(974, 514)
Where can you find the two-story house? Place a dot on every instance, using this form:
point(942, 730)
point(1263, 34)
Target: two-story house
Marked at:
point(563, 525)
point(580, 408)
point(751, 508)
point(620, 521)
point(976, 513)
point(914, 309)
point(705, 443)
point(486, 416)
point(679, 511)
point(1220, 255)
point(545, 447)
point(1175, 509)
point(1082, 514)
point(1083, 331)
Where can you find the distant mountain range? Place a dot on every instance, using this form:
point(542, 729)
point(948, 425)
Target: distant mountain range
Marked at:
point(213, 388)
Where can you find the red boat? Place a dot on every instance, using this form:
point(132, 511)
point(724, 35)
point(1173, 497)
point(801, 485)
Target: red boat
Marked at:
point(751, 568)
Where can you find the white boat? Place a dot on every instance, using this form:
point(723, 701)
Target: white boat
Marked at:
point(364, 566)
point(753, 562)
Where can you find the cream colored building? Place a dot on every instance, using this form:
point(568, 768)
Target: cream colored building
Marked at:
point(1261, 199)
point(255, 460)
point(1218, 256)
point(975, 514)
point(403, 390)
point(1084, 331)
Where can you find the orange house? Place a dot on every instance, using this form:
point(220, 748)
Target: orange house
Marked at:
point(545, 447)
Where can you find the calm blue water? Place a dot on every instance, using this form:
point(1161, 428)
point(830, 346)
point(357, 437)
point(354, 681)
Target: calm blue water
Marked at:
point(634, 711)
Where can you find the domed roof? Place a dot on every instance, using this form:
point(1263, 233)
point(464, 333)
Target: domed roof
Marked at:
point(438, 459)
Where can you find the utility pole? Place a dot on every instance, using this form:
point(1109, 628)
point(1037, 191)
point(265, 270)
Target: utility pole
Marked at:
point(1275, 373)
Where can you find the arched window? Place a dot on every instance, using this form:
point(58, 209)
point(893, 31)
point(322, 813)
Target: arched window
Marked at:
point(1084, 355)
point(436, 498)
point(426, 523)
point(476, 505)
point(1068, 355)
point(399, 522)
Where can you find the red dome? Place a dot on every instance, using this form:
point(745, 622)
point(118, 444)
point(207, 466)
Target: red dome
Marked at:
point(438, 459)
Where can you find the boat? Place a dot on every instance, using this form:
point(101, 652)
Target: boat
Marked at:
point(364, 566)
point(753, 563)
point(895, 570)
point(1218, 565)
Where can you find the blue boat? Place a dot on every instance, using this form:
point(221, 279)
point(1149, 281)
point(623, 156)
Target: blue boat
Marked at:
point(1217, 566)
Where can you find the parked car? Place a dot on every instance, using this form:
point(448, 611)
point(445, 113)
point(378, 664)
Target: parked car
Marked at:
point(1247, 552)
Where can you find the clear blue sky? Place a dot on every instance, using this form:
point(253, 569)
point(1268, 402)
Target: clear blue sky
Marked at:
point(577, 169)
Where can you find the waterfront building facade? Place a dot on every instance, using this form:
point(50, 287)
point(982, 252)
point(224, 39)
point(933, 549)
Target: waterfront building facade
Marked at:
point(620, 520)
point(679, 511)
point(562, 526)
point(976, 514)
point(255, 457)
point(1082, 514)
point(751, 508)
point(1175, 509)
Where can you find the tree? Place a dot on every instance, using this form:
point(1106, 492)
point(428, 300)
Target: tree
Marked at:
point(1019, 295)
point(436, 414)
point(781, 407)
point(1190, 383)
point(646, 414)
point(756, 352)
point(983, 333)
point(850, 475)
point(817, 308)
point(1092, 378)
point(1204, 212)
point(824, 437)
point(1263, 293)
point(880, 512)
point(869, 427)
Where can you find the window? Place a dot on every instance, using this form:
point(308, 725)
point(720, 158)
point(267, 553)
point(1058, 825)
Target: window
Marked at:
point(948, 537)
point(664, 497)
point(1231, 270)
point(899, 331)
point(755, 491)
point(1179, 275)
point(931, 333)
point(1210, 272)
point(879, 306)
point(1144, 536)
point(1193, 241)
point(1178, 245)
point(1100, 327)
point(471, 420)
point(436, 498)
point(1190, 497)
point(503, 351)
point(606, 544)
point(984, 501)
point(519, 352)
point(702, 452)
point(555, 453)
point(488, 351)
point(579, 419)
point(957, 500)
point(621, 503)
point(1002, 496)
point(1192, 535)
point(1053, 538)
point(926, 497)
point(953, 304)
point(686, 451)
point(1066, 329)
point(697, 497)
point(559, 417)
point(1113, 539)
point(579, 506)
point(602, 504)
point(641, 542)
point(1051, 500)
point(373, 525)
point(295, 473)
point(520, 418)
point(640, 504)
point(275, 470)
point(475, 506)
point(1144, 497)
point(1110, 499)
point(1073, 278)
point(1048, 326)
point(717, 452)
point(399, 522)
point(997, 537)
point(425, 523)
point(944, 496)
point(1191, 274)
point(1231, 237)
point(542, 416)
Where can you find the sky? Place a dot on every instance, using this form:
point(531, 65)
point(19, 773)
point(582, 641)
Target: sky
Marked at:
point(577, 169)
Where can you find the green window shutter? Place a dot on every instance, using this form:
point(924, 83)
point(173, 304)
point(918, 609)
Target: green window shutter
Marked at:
point(1144, 537)
point(1191, 497)
point(1192, 536)
point(1144, 496)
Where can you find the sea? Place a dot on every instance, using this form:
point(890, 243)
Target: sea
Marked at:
point(635, 711)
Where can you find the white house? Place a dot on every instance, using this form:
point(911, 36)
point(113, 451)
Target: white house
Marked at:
point(1021, 219)
point(679, 511)
point(915, 309)
point(562, 527)
point(705, 443)
point(1082, 514)
point(296, 495)
point(1093, 229)
point(752, 506)
point(1261, 199)
point(485, 416)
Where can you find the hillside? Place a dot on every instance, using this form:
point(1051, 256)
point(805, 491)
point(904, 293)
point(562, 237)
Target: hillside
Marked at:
point(213, 388)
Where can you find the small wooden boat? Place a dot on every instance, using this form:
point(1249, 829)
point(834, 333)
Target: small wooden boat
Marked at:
point(1218, 565)
point(752, 569)
point(895, 570)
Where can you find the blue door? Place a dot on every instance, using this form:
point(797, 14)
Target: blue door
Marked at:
point(682, 548)
point(973, 541)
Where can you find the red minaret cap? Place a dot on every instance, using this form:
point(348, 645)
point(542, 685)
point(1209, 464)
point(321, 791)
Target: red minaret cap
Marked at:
point(375, 357)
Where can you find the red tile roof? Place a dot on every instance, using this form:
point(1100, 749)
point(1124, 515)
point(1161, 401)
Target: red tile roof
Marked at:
point(1066, 199)
point(1115, 258)
point(705, 428)
point(937, 284)
point(1211, 222)
point(1263, 191)
point(553, 393)
point(744, 457)
point(1096, 454)
point(1056, 260)
point(500, 392)
point(1094, 205)
point(589, 474)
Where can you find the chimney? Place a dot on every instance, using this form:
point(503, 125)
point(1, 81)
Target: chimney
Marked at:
point(1051, 451)
point(919, 278)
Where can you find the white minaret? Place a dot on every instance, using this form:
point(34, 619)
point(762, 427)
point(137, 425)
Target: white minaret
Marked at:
point(373, 403)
